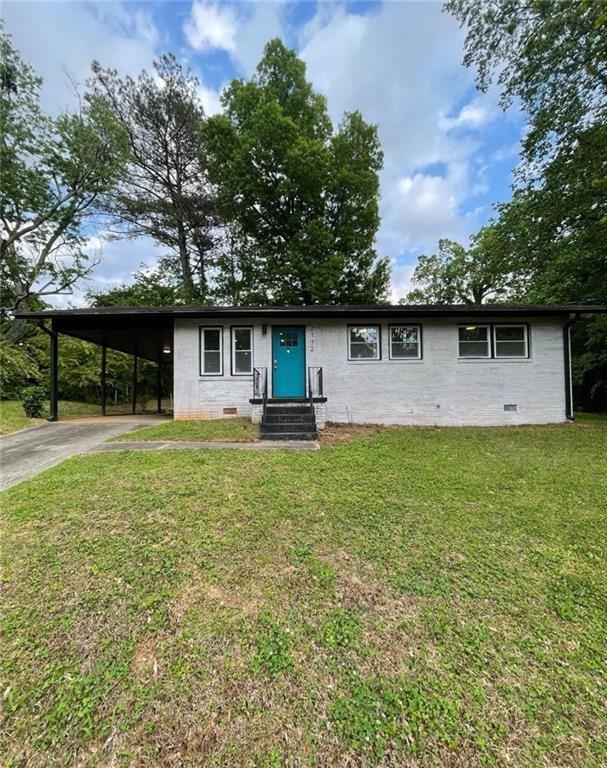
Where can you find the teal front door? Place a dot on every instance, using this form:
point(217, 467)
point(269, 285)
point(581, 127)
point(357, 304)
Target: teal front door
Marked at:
point(288, 362)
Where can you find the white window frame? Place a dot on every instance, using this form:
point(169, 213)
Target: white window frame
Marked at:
point(203, 330)
point(399, 359)
point(364, 359)
point(525, 328)
point(489, 341)
point(233, 330)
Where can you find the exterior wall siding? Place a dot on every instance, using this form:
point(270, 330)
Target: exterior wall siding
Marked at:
point(439, 389)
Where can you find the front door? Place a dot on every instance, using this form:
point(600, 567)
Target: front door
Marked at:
point(288, 361)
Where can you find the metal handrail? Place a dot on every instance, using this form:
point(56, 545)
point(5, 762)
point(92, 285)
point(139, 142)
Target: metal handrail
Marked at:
point(260, 384)
point(315, 382)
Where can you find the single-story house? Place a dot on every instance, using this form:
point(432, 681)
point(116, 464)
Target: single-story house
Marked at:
point(382, 364)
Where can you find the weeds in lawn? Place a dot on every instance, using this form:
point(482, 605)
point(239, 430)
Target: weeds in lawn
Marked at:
point(408, 597)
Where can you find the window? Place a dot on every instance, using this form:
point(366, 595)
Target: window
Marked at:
point(289, 339)
point(474, 341)
point(211, 358)
point(510, 340)
point(242, 351)
point(405, 342)
point(363, 342)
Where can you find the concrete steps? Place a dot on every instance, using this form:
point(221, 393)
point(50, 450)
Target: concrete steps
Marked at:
point(288, 421)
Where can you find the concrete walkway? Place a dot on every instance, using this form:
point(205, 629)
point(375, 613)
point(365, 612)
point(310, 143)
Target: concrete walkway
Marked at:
point(28, 452)
point(159, 445)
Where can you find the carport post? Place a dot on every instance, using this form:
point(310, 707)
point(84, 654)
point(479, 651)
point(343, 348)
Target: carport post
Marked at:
point(53, 372)
point(103, 376)
point(159, 387)
point(134, 384)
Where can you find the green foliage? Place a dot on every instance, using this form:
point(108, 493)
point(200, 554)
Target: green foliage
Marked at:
point(273, 647)
point(33, 401)
point(455, 275)
point(52, 172)
point(135, 585)
point(550, 55)
point(302, 200)
point(237, 430)
point(17, 368)
point(411, 715)
point(558, 227)
point(340, 629)
point(150, 288)
point(165, 193)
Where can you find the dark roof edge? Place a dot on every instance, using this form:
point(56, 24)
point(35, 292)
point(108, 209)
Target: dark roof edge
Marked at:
point(379, 310)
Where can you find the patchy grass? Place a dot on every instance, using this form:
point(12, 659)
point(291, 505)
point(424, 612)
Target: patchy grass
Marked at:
point(232, 430)
point(410, 597)
point(12, 417)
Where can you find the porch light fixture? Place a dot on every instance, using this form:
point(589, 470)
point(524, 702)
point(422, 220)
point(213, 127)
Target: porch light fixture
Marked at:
point(471, 327)
point(166, 349)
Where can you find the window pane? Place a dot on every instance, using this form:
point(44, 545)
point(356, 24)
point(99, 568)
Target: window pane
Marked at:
point(211, 338)
point(510, 349)
point(474, 349)
point(404, 341)
point(242, 362)
point(242, 339)
point(404, 333)
point(509, 333)
point(212, 362)
point(473, 333)
point(364, 342)
point(363, 351)
point(404, 350)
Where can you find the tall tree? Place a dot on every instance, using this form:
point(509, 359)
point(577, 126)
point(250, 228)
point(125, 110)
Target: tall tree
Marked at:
point(166, 193)
point(456, 275)
point(550, 55)
point(303, 199)
point(150, 288)
point(53, 172)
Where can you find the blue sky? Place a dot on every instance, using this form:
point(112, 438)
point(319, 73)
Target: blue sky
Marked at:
point(449, 150)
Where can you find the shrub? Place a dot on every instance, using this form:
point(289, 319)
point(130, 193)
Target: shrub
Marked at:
point(33, 402)
point(17, 369)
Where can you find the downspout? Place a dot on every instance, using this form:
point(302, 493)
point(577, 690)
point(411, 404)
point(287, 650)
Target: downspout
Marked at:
point(567, 365)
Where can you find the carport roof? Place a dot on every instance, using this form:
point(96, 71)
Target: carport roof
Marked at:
point(146, 331)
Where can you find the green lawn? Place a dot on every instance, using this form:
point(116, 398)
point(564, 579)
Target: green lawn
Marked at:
point(405, 597)
point(232, 430)
point(12, 417)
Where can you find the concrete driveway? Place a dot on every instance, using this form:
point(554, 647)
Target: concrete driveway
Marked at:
point(26, 453)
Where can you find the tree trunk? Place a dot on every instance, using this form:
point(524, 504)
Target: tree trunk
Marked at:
point(184, 261)
point(16, 332)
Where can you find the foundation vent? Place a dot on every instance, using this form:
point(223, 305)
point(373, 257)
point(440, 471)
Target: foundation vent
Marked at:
point(510, 407)
point(230, 411)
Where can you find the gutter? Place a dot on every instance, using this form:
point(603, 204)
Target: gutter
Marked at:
point(567, 365)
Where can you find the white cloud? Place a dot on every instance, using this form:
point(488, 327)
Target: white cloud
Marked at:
point(400, 66)
point(401, 280)
point(472, 116)
point(210, 100)
point(56, 38)
point(258, 25)
point(211, 26)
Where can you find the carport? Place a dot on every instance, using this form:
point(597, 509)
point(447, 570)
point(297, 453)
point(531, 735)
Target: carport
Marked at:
point(146, 334)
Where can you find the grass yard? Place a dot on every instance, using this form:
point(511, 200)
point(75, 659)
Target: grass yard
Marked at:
point(12, 417)
point(233, 430)
point(405, 597)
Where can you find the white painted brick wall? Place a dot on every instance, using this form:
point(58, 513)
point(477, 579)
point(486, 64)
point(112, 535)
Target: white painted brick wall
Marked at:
point(440, 389)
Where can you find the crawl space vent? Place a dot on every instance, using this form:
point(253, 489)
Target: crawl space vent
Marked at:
point(232, 411)
point(510, 407)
